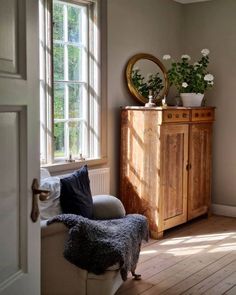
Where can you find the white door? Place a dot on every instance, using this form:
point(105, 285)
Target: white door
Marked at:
point(19, 147)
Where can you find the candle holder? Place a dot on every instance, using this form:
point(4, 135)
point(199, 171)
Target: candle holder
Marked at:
point(164, 103)
point(150, 102)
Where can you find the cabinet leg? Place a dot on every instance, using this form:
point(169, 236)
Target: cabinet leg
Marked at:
point(156, 235)
point(160, 235)
point(209, 213)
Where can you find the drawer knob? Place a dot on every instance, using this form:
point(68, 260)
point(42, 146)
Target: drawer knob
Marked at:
point(169, 116)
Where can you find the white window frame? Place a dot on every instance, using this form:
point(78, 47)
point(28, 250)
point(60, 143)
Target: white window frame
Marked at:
point(96, 113)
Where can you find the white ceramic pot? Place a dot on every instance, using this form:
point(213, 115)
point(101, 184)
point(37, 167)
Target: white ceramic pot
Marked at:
point(192, 99)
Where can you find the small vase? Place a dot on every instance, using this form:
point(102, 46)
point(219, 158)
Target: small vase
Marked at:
point(150, 102)
point(192, 99)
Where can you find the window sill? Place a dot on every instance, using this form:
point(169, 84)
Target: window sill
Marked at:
point(63, 167)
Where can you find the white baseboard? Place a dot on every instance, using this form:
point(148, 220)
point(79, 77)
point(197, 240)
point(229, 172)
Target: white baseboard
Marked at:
point(224, 210)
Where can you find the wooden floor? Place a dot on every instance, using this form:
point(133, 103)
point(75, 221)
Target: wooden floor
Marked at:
point(196, 258)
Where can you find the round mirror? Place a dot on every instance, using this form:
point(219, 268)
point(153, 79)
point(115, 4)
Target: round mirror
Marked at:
point(146, 76)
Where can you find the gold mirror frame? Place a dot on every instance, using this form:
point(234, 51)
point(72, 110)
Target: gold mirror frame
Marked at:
point(129, 69)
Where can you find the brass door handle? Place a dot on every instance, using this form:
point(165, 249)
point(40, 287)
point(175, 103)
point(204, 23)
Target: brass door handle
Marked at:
point(42, 194)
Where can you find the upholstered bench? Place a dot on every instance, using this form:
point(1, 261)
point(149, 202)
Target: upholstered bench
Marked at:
point(60, 277)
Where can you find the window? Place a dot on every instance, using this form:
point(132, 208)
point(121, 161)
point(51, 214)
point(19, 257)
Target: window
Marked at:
point(70, 82)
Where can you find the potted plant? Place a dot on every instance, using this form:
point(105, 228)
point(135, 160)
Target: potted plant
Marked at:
point(191, 80)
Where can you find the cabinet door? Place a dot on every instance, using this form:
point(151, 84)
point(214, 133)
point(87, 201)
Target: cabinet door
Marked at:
point(174, 147)
point(199, 188)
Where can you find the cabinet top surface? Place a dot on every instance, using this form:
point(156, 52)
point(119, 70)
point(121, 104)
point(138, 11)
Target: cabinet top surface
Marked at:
point(142, 108)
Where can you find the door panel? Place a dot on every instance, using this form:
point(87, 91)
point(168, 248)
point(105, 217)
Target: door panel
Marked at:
point(13, 30)
point(200, 172)
point(174, 175)
point(19, 147)
point(9, 191)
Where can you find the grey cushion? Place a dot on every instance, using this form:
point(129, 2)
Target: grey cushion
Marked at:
point(107, 207)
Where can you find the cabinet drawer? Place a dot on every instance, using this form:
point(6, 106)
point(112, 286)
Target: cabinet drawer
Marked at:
point(202, 115)
point(176, 116)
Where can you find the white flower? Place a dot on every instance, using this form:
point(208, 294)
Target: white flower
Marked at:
point(205, 52)
point(208, 77)
point(197, 64)
point(186, 56)
point(166, 57)
point(184, 84)
point(136, 69)
point(210, 83)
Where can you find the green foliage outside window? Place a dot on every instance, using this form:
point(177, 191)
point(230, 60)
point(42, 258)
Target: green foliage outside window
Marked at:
point(66, 50)
point(73, 24)
point(59, 107)
point(58, 19)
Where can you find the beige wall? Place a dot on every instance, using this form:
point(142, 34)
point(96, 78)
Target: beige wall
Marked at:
point(134, 26)
point(213, 25)
point(164, 26)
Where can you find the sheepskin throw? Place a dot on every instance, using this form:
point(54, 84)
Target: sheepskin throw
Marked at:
point(95, 245)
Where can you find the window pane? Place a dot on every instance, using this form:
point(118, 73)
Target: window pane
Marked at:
point(74, 140)
point(75, 91)
point(74, 61)
point(58, 61)
point(59, 104)
point(59, 134)
point(57, 21)
point(74, 24)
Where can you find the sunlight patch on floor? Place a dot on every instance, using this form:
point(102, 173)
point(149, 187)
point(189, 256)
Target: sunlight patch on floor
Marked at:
point(173, 242)
point(228, 247)
point(200, 239)
point(199, 243)
point(145, 252)
point(187, 250)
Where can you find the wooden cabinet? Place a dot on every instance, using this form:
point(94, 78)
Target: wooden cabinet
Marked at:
point(166, 164)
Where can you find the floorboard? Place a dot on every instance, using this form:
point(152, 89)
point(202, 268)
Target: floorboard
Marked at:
point(196, 258)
